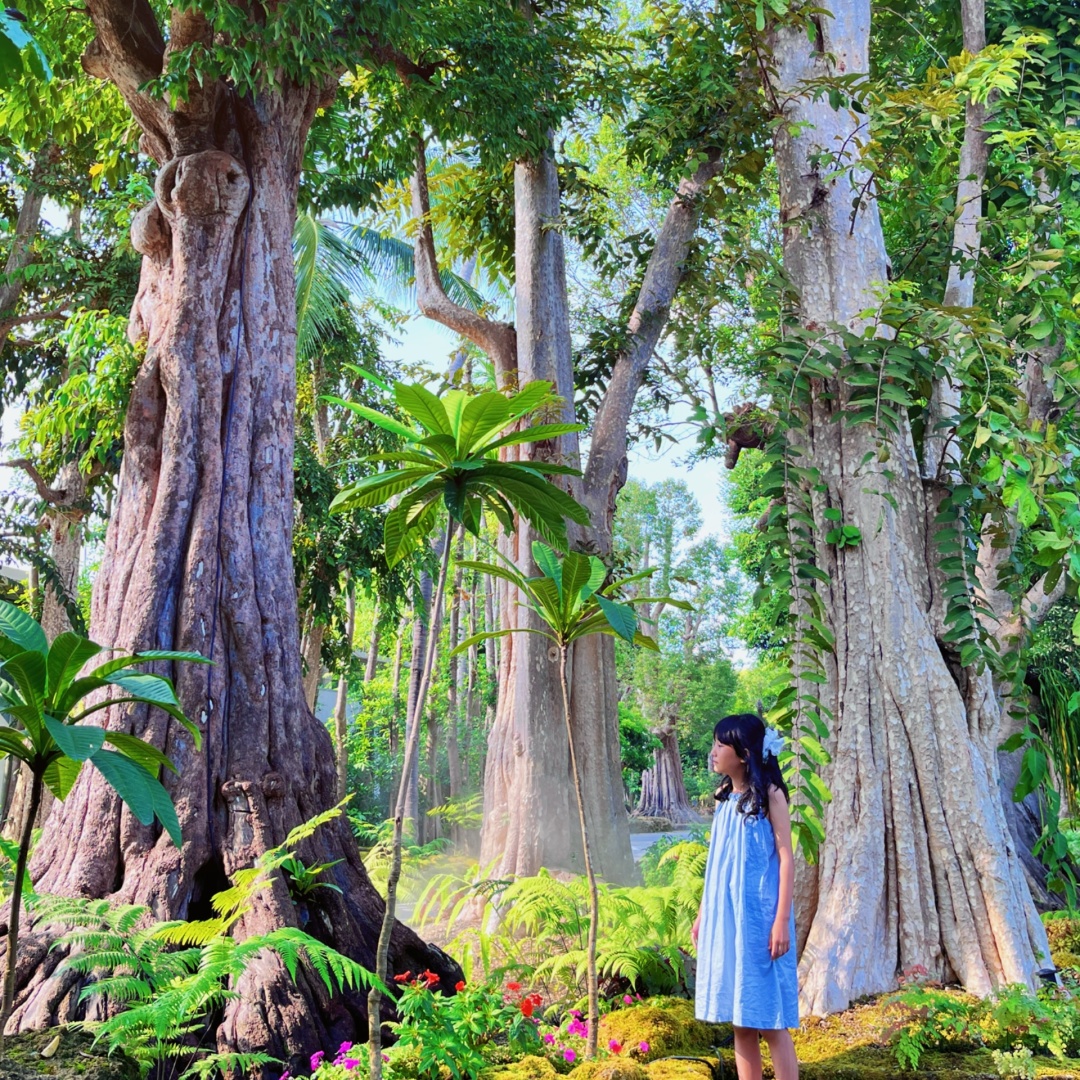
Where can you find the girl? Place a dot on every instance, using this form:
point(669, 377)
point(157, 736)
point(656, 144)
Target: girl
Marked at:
point(746, 970)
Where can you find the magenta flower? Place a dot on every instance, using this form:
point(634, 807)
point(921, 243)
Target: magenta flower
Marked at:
point(643, 1047)
point(351, 1063)
point(316, 1059)
point(569, 1054)
point(627, 999)
point(285, 1075)
point(614, 1046)
point(386, 1057)
point(549, 1038)
point(575, 1013)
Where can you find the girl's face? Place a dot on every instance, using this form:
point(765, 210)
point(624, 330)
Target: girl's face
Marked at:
point(723, 759)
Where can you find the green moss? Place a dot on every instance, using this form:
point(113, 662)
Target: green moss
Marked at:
point(612, 1069)
point(666, 1069)
point(529, 1067)
point(667, 1025)
point(75, 1059)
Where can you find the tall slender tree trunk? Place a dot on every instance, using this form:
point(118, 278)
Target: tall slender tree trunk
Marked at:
point(421, 620)
point(453, 754)
point(917, 857)
point(198, 556)
point(341, 706)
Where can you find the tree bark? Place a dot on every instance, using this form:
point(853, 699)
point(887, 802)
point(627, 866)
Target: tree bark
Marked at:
point(421, 619)
point(917, 856)
point(26, 228)
point(198, 556)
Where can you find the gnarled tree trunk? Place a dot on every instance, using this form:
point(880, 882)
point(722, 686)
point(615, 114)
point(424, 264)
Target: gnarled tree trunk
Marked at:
point(663, 791)
point(198, 556)
point(917, 858)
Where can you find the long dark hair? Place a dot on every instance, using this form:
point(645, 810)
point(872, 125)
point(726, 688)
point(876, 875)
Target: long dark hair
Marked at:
point(744, 733)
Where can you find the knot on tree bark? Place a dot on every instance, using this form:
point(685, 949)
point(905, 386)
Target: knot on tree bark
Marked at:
point(748, 428)
point(150, 232)
point(273, 785)
point(208, 184)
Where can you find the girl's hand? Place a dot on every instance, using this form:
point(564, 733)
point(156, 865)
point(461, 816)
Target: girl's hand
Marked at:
point(695, 930)
point(779, 938)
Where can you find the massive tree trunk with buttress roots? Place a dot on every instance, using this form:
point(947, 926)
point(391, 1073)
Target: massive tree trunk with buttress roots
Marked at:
point(917, 866)
point(198, 557)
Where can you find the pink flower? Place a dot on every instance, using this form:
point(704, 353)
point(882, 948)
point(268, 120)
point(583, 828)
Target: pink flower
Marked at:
point(549, 1038)
point(576, 1027)
point(351, 1063)
point(285, 1075)
point(627, 999)
point(386, 1057)
point(643, 1047)
point(569, 1054)
point(344, 1048)
point(575, 1013)
point(614, 1046)
point(316, 1059)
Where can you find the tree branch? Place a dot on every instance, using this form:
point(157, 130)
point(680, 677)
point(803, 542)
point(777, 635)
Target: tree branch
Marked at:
point(606, 470)
point(53, 496)
point(129, 50)
point(497, 339)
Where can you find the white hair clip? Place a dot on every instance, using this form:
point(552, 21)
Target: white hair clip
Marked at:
point(773, 743)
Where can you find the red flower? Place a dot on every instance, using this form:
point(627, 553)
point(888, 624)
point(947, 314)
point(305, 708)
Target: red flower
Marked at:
point(459, 985)
point(536, 999)
point(404, 977)
point(527, 1007)
point(513, 987)
point(430, 978)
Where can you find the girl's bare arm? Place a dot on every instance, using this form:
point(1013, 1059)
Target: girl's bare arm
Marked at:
point(780, 817)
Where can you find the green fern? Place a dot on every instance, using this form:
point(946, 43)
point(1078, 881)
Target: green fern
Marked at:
point(163, 982)
point(537, 927)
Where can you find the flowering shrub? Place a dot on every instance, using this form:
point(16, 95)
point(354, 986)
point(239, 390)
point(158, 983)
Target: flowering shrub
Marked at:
point(436, 1030)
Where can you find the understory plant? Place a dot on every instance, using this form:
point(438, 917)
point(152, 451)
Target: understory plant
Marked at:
point(43, 703)
point(1012, 1021)
point(536, 929)
point(573, 599)
point(163, 982)
point(450, 461)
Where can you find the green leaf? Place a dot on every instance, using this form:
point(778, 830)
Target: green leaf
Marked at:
point(421, 404)
point(26, 671)
point(14, 743)
point(144, 687)
point(78, 742)
point(483, 416)
point(621, 617)
point(387, 423)
point(548, 563)
point(139, 751)
point(576, 571)
point(18, 627)
point(538, 433)
point(377, 489)
point(60, 775)
point(486, 635)
point(141, 793)
point(67, 655)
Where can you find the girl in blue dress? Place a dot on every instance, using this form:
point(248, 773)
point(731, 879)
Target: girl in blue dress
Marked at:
point(746, 971)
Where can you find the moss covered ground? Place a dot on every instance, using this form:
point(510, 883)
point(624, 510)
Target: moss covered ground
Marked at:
point(853, 1045)
point(75, 1058)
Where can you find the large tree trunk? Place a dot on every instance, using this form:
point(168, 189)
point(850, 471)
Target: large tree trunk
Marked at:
point(198, 556)
point(663, 791)
point(529, 803)
point(917, 857)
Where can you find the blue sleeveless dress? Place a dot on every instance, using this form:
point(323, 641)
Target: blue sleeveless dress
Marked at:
point(737, 980)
